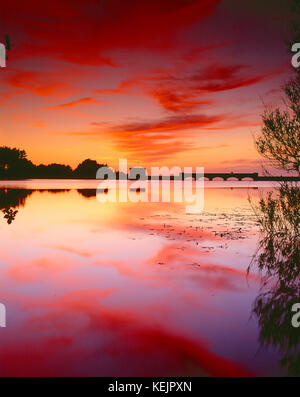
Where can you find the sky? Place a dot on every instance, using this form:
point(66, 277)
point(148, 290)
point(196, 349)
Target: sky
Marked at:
point(159, 83)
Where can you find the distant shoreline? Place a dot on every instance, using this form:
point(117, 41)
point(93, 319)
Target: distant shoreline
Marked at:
point(226, 177)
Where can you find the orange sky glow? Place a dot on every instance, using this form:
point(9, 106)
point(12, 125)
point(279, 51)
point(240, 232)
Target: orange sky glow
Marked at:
point(178, 82)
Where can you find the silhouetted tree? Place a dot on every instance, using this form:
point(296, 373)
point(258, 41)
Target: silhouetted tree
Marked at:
point(278, 214)
point(53, 171)
point(279, 140)
point(14, 164)
point(87, 169)
point(9, 155)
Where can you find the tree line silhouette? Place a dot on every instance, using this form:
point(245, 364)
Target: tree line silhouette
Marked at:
point(14, 164)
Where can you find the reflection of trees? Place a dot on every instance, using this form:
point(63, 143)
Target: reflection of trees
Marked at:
point(15, 198)
point(9, 214)
point(10, 199)
point(91, 193)
point(52, 191)
point(278, 259)
point(279, 220)
point(87, 193)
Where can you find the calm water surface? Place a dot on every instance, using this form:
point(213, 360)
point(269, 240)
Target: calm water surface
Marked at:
point(129, 289)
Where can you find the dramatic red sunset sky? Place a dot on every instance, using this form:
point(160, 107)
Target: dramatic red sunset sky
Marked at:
point(159, 82)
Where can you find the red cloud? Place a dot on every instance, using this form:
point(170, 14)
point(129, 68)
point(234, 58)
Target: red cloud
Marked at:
point(38, 83)
point(82, 32)
point(170, 123)
point(177, 102)
point(224, 77)
point(159, 139)
point(149, 138)
point(182, 92)
point(77, 102)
